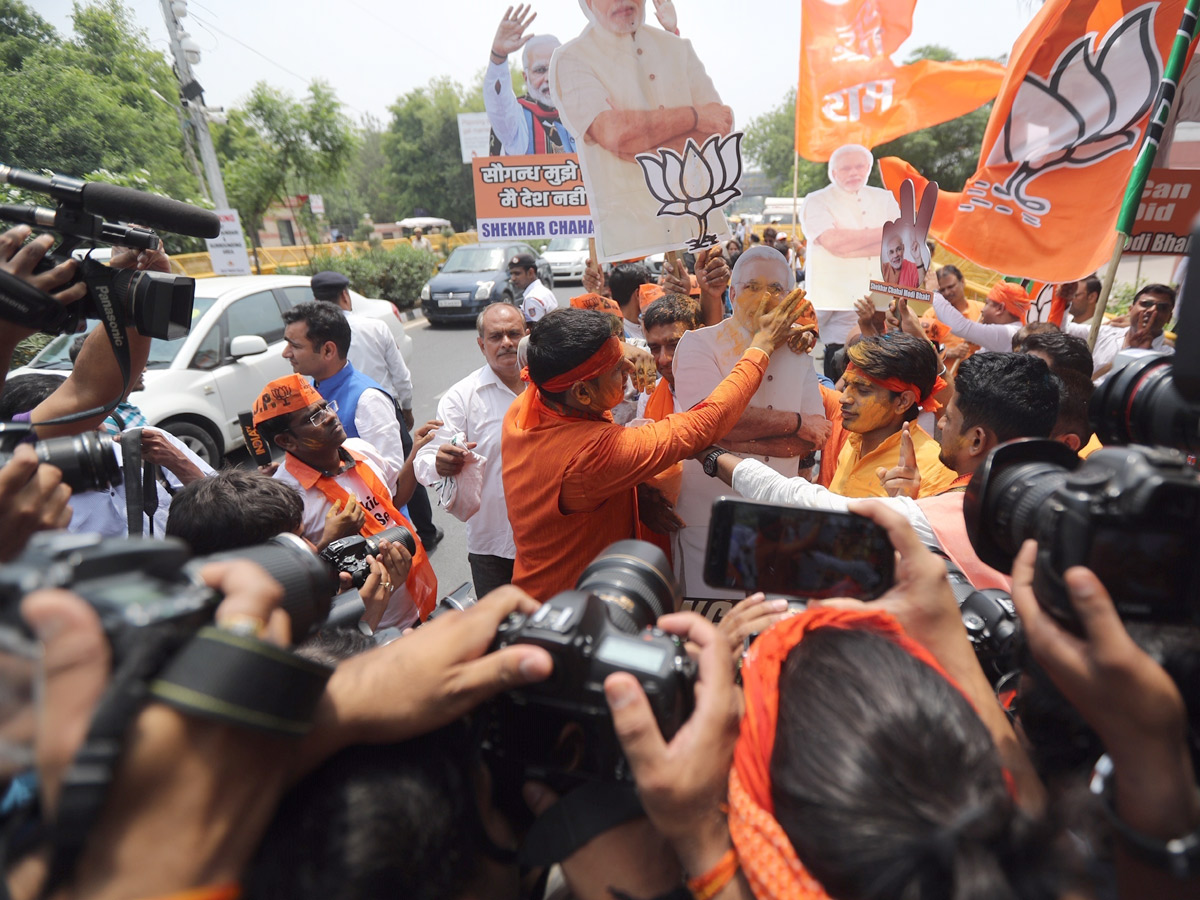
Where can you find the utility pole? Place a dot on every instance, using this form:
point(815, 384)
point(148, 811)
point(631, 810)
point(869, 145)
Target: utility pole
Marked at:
point(186, 53)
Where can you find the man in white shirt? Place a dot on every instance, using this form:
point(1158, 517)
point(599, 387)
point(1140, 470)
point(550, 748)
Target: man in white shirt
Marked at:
point(536, 299)
point(529, 124)
point(475, 407)
point(317, 339)
point(624, 88)
point(782, 424)
point(373, 349)
point(418, 241)
point(843, 224)
point(326, 467)
point(1002, 316)
point(1151, 311)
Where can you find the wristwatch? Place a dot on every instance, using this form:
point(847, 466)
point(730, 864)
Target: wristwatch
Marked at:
point(710, 461)
point(1180, 856)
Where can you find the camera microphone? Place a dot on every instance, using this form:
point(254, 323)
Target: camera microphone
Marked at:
point(82, 225)
point(111, 201)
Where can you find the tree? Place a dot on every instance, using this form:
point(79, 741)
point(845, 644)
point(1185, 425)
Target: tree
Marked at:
point(422, 149)
point(277, 147)
point(88, 105)
point(945, 153)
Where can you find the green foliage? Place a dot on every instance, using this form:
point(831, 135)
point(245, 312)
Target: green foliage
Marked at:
point(396, 274)
point(88, 104)
point(423, 155)
point(27, 349)
point(946, 153)
point(277, 146)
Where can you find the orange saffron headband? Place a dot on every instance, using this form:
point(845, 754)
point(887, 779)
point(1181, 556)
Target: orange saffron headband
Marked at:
point(594, 366)
point(926, 404)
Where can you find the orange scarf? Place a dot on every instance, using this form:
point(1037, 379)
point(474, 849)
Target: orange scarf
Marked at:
point(421, 581)
point(770, 862)
point(533, 408)
point(661, 403)
point(926, 403)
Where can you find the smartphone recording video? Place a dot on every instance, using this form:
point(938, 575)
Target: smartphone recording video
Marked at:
point(812, 554)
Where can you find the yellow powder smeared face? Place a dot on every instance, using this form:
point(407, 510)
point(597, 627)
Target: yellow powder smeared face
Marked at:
point(866, 407)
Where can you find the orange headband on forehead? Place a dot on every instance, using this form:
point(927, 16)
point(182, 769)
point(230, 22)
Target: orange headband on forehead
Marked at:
point(607, 356)
point(282, 396)
point(1012, 297)
point(926, 404)
point(768, 859)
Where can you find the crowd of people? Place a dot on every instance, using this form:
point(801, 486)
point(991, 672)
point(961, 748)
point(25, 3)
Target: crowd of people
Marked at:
point(850, 749)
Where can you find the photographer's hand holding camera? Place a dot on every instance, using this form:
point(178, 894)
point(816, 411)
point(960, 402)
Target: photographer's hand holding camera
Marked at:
point(1135, 708)
point(32, 498)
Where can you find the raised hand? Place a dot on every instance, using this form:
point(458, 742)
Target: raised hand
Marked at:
point(712, 271)
point(904, 478)
point(674, 278)
point(775, 325)
point(664, 11)
point(510, 33)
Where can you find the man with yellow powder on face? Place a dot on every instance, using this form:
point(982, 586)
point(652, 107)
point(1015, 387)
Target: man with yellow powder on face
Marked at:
point(889, 379)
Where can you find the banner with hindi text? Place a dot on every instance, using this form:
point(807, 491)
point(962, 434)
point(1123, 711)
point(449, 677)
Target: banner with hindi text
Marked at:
point(536, 196)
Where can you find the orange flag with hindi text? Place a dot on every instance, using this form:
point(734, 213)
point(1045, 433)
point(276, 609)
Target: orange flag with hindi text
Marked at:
point(1061, 140)
point(850, 91)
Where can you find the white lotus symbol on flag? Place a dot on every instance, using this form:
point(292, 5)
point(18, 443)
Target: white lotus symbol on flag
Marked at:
point(697, 182)
point(1086, 109)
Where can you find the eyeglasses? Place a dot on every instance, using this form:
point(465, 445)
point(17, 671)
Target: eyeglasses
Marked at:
point(775, 289)
point(316, 418)
point(540, 70)
point(1162, 306)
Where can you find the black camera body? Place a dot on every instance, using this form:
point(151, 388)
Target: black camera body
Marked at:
point(349, 554)
point(990, 619)
point(1130, 514)
point(560, 730)
point(138, 582)
point(88, 461)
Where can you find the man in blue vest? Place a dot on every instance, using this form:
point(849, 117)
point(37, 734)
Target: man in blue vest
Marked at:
point(317, 338)
point(529, 124)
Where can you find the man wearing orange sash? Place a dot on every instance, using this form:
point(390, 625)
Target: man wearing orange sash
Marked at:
point(327, 468)
point(999, 397)
point(889, 380)
point(570, 473)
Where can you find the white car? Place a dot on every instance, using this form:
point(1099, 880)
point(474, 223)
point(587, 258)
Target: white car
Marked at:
point(567, 257)
point(196, 386)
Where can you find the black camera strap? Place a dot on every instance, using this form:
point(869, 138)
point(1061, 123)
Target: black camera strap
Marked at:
point(589, 810)
point(141, 495)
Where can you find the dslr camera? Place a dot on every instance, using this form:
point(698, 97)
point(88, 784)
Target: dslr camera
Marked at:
point(88, 461)
point(1130, 514)
point(138, 582)
point(560, 731)
point(349, 554)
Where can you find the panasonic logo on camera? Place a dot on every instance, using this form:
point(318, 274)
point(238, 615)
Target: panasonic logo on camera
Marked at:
point(104, 301)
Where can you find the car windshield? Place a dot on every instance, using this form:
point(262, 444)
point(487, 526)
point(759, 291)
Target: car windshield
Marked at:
point(475, 259)
point(567, 243)
point(57, 354)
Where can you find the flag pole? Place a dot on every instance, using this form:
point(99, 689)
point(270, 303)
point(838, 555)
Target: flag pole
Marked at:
point(1141, 167)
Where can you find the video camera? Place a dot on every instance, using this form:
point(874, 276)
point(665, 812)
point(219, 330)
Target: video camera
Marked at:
point(159, 305)
point(560, 730)
point(1131, 514)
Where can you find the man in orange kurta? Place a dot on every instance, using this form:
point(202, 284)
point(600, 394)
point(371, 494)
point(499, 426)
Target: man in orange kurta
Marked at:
point(571, 473)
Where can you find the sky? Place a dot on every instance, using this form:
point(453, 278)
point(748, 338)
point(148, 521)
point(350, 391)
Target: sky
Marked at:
point(374, 51)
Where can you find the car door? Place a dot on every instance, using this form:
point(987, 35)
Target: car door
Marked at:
point(240, 381)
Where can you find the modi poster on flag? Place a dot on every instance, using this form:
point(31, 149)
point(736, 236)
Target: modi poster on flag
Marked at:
point(850, 91)
point(530, 197)
point(1061, 141)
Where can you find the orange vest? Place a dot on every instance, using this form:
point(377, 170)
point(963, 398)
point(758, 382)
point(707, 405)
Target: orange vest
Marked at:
point(945, 515)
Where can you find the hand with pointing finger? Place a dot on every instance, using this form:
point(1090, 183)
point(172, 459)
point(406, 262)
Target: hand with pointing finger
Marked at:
point(904, 478)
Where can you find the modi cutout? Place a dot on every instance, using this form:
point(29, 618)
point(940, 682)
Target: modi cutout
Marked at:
point(623, 88)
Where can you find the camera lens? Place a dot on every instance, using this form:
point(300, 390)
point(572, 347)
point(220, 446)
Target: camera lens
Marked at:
point(1141, 404)
point(308, 583)
point(397, 533)
point(635, 581)
point(88, 462)
point(1016, 497)
point(160, 305)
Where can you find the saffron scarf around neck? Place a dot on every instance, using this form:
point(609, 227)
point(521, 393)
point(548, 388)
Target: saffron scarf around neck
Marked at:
point(768, 859)
point(421, 581)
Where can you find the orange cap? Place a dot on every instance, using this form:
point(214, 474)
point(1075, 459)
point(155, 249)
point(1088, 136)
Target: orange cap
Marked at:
point(596, 301)
point(1012, 297)
point(647, 294)
point(283, 396)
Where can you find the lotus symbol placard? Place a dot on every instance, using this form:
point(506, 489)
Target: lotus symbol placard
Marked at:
point(1086, 109)
point(697, 182)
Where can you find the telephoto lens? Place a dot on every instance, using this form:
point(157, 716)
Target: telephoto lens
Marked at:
point(395, 534)
point(1139, 402)
point(635, 581)
point(88, 461)
point(308, 583)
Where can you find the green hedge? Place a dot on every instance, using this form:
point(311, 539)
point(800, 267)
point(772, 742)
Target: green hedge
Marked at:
point(397, 274)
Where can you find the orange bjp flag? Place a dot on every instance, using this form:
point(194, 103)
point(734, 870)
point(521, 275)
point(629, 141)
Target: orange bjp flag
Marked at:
point(1061, 141)
point(850, 91)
